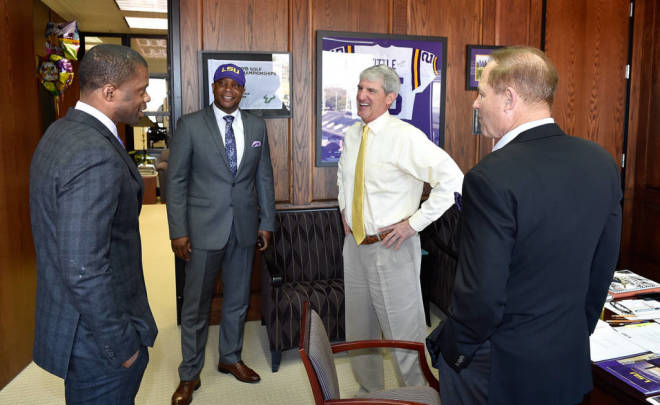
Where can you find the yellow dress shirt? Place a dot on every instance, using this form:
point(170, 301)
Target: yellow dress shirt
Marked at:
point(399, 159)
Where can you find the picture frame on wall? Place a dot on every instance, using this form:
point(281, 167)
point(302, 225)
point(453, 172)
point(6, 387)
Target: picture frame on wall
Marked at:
point(267, 80)
point(478, 57)
point(420, 61)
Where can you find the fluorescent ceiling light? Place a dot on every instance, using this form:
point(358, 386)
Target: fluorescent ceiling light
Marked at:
point(152, 6)
point(147, 23)
point(89, 39)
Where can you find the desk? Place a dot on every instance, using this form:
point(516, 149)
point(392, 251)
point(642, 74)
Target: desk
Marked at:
point(609, 390)
point(149, 196)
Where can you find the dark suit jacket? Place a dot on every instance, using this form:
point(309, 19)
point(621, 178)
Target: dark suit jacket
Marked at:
point(85, 198)
point(538, 244)
point(204, 198)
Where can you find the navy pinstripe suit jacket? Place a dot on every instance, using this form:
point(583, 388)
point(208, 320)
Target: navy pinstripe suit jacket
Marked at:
point(85, 198)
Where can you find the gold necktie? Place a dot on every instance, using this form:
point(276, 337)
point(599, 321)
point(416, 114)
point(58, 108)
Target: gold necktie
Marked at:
point(358, 190)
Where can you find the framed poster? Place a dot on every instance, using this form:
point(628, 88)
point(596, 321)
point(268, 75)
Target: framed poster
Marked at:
point(267, 80)
point(478, 57)
point(341, 56)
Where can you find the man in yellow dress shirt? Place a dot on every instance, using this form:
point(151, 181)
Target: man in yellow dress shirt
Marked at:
point(381, 175)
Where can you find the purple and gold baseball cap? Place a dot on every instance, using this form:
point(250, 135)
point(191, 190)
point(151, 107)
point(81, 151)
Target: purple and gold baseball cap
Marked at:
point(231, 71)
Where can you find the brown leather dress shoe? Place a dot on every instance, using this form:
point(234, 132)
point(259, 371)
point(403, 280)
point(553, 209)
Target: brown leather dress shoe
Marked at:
point(240, 371)
point(184, 392)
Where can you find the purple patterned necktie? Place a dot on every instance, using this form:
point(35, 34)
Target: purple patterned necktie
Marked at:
point(230, 144)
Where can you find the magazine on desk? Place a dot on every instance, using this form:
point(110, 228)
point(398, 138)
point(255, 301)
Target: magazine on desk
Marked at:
point(642, 372)
point(625, 283)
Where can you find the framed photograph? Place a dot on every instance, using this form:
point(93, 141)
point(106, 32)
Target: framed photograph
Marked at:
point(478, 57)
point(476, 124)
point(340, 57)
point(267, 80)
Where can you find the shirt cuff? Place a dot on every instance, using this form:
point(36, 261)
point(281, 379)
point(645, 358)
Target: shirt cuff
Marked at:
point(418, 222)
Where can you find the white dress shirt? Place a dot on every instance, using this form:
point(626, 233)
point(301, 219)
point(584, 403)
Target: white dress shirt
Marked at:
point(99, 116)
point(399, 159)
point(237, 126)
point(511, 135)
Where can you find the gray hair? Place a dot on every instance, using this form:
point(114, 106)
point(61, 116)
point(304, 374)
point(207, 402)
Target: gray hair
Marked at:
point(384, 73)
point(108, 63)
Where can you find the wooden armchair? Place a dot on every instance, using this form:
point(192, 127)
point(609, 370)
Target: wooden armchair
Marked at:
point(317, 356)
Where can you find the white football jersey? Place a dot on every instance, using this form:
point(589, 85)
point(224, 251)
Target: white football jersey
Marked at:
point(416, 68)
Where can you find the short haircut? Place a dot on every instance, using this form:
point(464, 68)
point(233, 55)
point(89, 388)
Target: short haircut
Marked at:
point(108, 63)
point(389, 77)
point(527, 70)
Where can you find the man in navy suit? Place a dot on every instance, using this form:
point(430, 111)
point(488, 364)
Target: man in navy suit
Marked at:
point(538, 243)
point(93, 321)
point(220, 202)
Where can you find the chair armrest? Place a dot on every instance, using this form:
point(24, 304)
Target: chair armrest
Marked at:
point(368, 344)
point(395, 344)
point(370, 401)
point(275, 271)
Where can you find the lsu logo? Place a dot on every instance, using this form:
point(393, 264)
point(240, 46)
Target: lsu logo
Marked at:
point(231, 69)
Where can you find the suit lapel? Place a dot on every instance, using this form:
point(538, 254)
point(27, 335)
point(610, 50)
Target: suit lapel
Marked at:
point(248, 136)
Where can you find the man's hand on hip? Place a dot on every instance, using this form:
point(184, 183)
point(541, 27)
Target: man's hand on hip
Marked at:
point(347, 229)
point(399, 232)
point(181, 247)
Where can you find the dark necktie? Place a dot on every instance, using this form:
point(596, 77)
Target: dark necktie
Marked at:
point(230, 144)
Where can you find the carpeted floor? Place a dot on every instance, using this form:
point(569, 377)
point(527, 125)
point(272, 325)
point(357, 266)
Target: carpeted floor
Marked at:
point(288, 386)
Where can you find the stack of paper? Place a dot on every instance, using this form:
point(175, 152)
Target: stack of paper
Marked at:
point(625, 283)
point(606, 343)
point(646, 335)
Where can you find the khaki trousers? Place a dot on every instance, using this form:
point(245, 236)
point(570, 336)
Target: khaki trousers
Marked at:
point(383, 296)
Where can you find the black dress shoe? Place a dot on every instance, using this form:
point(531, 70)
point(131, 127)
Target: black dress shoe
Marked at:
point(240, 371)
point(184, 392)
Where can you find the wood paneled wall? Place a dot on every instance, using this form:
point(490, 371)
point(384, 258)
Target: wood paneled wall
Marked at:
point(291, 25)
point(19, 134)
point(641, 237)
point(591, 58)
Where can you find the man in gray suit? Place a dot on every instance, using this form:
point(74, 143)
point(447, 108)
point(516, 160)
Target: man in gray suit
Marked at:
point(93, 321)
point(220, 201)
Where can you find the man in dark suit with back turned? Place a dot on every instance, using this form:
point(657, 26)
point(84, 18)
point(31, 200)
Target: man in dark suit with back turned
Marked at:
point(538, 244)
point(220, 202)
point(93, 321)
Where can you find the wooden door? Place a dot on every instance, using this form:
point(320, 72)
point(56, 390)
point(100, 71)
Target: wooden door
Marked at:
point(641, 237)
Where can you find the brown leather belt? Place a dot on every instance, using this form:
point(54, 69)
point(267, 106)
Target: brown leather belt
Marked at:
point(375, 238)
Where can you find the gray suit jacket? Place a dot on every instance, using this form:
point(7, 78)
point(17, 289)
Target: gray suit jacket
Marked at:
point(204, 198)
point(85, 198)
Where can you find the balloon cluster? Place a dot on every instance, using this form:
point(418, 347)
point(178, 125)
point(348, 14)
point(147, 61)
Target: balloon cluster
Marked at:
point(55, 69)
